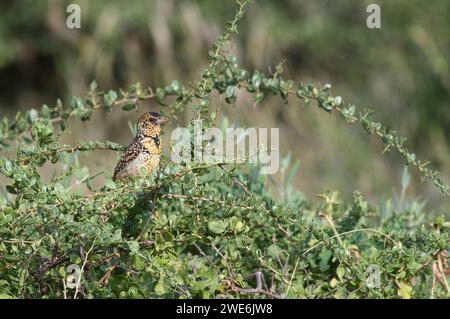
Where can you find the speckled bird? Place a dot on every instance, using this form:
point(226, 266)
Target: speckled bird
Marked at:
point(144, 150)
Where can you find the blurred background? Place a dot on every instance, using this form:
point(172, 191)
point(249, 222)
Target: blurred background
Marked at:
point(401, 71)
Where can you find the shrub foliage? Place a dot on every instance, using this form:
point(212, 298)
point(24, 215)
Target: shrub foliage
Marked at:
point(198, 230)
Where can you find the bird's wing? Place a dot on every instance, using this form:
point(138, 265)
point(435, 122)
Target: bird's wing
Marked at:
point(132, 152)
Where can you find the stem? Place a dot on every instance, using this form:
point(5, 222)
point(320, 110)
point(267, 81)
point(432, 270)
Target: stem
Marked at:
point(350, 232)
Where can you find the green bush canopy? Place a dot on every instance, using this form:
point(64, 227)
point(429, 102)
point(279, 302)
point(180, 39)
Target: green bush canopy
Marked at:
point(205, 230)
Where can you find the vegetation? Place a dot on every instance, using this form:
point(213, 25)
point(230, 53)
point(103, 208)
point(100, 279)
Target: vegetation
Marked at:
point(198, 230)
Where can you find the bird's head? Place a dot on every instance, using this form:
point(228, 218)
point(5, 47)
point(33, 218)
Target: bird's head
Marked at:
point(149, 124)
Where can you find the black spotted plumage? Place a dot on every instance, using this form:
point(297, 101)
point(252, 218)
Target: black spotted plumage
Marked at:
point(156, 140)
point(132, 151)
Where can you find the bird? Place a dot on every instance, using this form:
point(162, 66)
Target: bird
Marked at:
point(144, 151)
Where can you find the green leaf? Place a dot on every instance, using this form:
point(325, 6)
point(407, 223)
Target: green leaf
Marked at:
point(274, 251)
point(174, 88)
point(93, 85)
point(401, 275)
point(45, 112)
point(6, 167)
point(334, 282)
point(217, 227)
point(258, 98)
point(230, 94)
point(404, 290)
point(110, 184)
point(32, 115)
point(133, 246)
point(129, 107)
point(160, 95)
point(10, 189)
point(340, 272)
point(110, 98)
point(160, 287)
point(256, 79)
point(406, 178)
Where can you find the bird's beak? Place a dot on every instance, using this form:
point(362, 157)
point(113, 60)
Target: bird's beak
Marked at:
point(161, 120)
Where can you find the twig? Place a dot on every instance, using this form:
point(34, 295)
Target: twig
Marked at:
point(425, 264)
point(236, 181)
point(440, 267)
point(330, 222)
point(203, 254)
point(124, 101)
point(64, 288)
point(104, 280)
point(200, 198)
point(230, 270)
point(350, 232)
point(258, 290)
point(105, 146)
point(82, 268)
point(292, 277)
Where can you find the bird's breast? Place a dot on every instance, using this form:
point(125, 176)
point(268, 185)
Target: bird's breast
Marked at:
point(143, 161)
point(152, 145)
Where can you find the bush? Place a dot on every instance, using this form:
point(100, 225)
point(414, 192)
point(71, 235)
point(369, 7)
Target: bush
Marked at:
point(204, 230)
